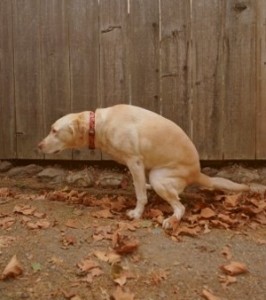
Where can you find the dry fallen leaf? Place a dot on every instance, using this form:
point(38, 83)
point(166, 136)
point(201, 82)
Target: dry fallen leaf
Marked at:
point(227, 280)
point(121, 280)
point(72, 223)
point(261, 242)
point(120, 294)
point(5, 192)
point(13, 268)
point(110, 257)
point(209, 295)
point(40, 224)
point(186, 230)
point(105, 214)
point(7, 222)
point(124, 244)
point(158, 276)
point(87, 264)
point(103, 232)
point(5, 241)
point(232, 200)
point(207, 213)
point(69, 240)
point(24, 209)
point(234, 268)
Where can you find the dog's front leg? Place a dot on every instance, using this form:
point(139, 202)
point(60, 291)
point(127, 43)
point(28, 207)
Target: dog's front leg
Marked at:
point(136, 168)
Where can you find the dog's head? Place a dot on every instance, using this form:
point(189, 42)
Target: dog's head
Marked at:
point(66, 133)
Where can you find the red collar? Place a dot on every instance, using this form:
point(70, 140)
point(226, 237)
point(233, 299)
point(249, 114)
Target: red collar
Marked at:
point(92, 130)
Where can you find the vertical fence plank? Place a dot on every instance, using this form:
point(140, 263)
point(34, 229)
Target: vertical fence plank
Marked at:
point(27, 58)
point(7, 105)
point(261, 81)
point(114, 82)
point(208, 85)
point(84, 61)
point(113, 54)
point(175, 62)
point(240, 74)
point(55, 65)
point(144, 53)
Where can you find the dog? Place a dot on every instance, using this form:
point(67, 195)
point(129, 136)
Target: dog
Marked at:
point(146, 143)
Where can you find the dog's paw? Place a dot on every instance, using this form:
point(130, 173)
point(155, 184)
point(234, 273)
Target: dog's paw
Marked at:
point(170, 223)
point(134, 214)
point(167, 224)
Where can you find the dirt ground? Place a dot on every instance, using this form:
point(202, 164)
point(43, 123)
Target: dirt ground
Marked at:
point(72, 249)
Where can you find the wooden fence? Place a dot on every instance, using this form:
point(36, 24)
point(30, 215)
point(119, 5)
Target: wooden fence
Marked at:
point(201, 63)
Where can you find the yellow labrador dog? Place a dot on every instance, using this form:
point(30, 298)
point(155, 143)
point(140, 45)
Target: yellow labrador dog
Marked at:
point(145, 142)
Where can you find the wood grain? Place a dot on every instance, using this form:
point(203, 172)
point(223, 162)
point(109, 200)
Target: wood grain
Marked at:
point(55, 65)
point(144, 54)
point(113, 52)
point(261, 81)
point(207, 25)
point(175, 46)
point(27, 71)
point(7, 105)
point(240, 80)
point(84, 62)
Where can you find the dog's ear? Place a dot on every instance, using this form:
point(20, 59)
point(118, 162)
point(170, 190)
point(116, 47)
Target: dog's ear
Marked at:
point(73, 127)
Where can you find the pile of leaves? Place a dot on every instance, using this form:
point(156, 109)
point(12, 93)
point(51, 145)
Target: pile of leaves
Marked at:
point(204, 210)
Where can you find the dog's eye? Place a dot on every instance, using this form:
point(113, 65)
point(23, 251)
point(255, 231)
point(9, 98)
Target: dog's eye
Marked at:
point(54, 131)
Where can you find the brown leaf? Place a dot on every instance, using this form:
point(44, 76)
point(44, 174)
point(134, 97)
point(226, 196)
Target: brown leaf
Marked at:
point(154, 213)
point(95, 272)
point(209, 295)
point(158, 276)
point(39, 215)
point(56, 261)
point(5, 241)
point(131, 226)
point(227, 219)
point(110, 257)
point(43, 223)
point(190, 231)
point(234, 268)
point(227, 280)
point(7, 222)
point(207, 213)
point(123, 244)
point(120, 294)
point(121, 280)
point(103, 232)
point(261, 242)
point(87, 264)
point(69, 240)
point(24, 209)
point(219, 224)
point(13, 268)
point(68, 294)
point(5, 192)
point(232, 200)
point(105, 214)
point(72, 223)
point(40, 224)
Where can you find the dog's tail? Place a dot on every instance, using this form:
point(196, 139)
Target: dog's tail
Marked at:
point(221, 184)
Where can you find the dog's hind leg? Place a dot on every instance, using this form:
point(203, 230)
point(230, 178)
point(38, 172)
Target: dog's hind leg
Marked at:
point(168, 187)
point(137, 171)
